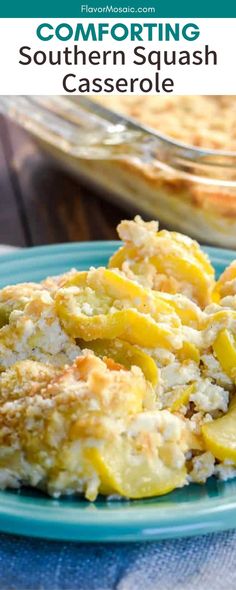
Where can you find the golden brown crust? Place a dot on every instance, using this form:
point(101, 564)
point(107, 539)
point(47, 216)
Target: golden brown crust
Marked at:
point(216, 200)
point(99, 386)
point(35, 333)
point(201, 121)
point(25, 378)
point(49, 416)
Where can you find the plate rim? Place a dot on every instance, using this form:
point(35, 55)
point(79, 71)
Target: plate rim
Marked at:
point(134, 525)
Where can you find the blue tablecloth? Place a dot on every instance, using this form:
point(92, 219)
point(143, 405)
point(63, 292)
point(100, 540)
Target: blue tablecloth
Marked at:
point(200, 563)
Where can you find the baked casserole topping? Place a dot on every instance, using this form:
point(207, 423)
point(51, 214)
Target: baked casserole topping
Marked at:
point(200, 121)
point(195, 192)
point(120, 380)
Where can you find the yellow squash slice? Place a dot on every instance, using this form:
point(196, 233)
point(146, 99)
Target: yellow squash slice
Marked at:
point(174, 256)
point(4, 316)
point(89, 315)
point(126, 324)
point(220, 435)
point(77, 279)
point(186, 270)
point(188, 351)
point(118, 287)
point(126, 354)
point(181, 397)
point(133, 474)
point(226, 284)
point(189, 313)
point(225, 351)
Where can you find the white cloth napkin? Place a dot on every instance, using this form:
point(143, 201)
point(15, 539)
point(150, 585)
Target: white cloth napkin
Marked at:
point(5, 249)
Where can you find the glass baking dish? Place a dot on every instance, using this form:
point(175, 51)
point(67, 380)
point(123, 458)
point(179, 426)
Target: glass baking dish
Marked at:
point(188, 189)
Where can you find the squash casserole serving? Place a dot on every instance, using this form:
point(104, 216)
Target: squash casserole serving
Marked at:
point(120, 380)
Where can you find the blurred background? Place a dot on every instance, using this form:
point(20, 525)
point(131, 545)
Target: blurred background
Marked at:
point(42, 204)
point(72, 168)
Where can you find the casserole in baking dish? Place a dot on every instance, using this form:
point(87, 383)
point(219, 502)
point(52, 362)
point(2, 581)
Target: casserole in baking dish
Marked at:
point(172, 158)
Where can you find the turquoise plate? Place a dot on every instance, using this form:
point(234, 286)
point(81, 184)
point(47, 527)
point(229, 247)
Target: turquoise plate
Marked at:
point(189, 511)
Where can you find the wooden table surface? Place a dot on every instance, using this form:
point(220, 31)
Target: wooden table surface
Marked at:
point(40, 204)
